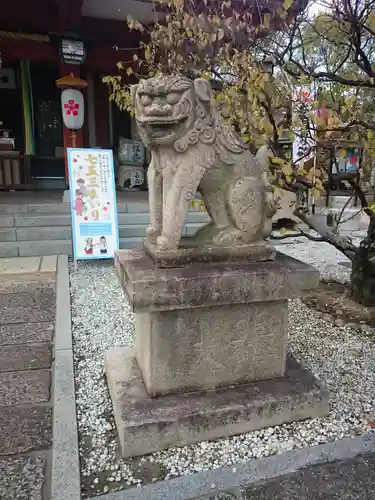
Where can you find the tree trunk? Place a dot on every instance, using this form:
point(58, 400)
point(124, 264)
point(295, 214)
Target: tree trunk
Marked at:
point(362, 280)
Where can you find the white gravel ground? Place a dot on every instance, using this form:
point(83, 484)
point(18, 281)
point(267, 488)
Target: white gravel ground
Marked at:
point(340, 355)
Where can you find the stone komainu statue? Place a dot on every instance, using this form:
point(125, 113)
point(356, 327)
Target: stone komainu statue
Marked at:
point(192, 148)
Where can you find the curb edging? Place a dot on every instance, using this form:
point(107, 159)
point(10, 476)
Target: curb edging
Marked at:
point(65, 481)
point(248, 473)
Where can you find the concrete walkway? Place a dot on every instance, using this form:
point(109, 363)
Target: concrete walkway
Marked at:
point(344, 480)
point(27, 305)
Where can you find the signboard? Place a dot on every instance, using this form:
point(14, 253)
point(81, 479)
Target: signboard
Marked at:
point(346, 160)
point(303, 144)
point(93, 203)
point(131, 152)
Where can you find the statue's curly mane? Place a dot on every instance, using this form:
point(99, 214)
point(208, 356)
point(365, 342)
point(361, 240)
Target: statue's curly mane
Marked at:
point(210, 128)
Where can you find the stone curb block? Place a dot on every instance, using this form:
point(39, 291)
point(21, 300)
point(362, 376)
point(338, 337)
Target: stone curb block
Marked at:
point(65, 482)
point(245, 474)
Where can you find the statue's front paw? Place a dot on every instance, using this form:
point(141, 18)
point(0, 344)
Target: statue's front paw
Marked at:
point(163, 243)
point(152, 234)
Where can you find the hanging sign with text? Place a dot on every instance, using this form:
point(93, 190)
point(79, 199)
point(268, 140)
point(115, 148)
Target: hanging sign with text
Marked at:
point(303, 99)
point(93, 203)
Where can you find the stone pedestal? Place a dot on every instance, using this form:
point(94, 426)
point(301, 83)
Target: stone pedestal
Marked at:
point(210, 356)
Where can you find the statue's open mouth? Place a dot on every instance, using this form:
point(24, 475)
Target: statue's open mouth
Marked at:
point(163, 128)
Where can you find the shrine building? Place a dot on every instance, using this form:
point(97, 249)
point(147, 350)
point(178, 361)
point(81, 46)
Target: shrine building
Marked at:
point(41, 42)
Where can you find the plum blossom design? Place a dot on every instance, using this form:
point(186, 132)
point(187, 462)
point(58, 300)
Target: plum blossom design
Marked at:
point(71, 108)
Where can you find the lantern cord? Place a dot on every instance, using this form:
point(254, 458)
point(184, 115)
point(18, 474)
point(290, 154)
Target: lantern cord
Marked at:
point(74, 139)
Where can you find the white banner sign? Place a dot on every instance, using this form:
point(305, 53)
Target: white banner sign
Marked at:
point(304, 143)
point(93, 203)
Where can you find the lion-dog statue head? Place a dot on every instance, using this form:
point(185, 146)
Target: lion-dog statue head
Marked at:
point(173, 111)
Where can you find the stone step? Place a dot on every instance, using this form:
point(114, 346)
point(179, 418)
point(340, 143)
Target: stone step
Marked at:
point(24, 429)
point(130, 228)
point(57, 240)
point(40, 248)
point(192, 228)
point(8, 234)
point(51, 220)
point(64, 208)
point(53, 247)
point(6, 221)
point(59, 220)
point(132, 242)
point(25, 357)
point(43, 233)
point(8, 249)
point(25, 387)
point(57, 208)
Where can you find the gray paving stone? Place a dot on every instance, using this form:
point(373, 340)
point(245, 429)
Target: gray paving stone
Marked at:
point(22, 314)
point(22, 478)
point(20, 285)
point(35, 298)
point(26, 333)
point(27, 387)
point(344, 480)
point(25, 357)
point(19, 266)
point(24, 429)
point(48, 264)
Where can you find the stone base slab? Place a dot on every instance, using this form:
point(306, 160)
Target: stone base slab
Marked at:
point(189, 254)
point(150, 288)
point(146, 425)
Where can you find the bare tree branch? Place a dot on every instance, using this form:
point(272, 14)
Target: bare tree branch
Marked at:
point(342, 244)
point(297, 234)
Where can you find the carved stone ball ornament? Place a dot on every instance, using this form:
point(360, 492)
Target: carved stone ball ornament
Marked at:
point(192, 149)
